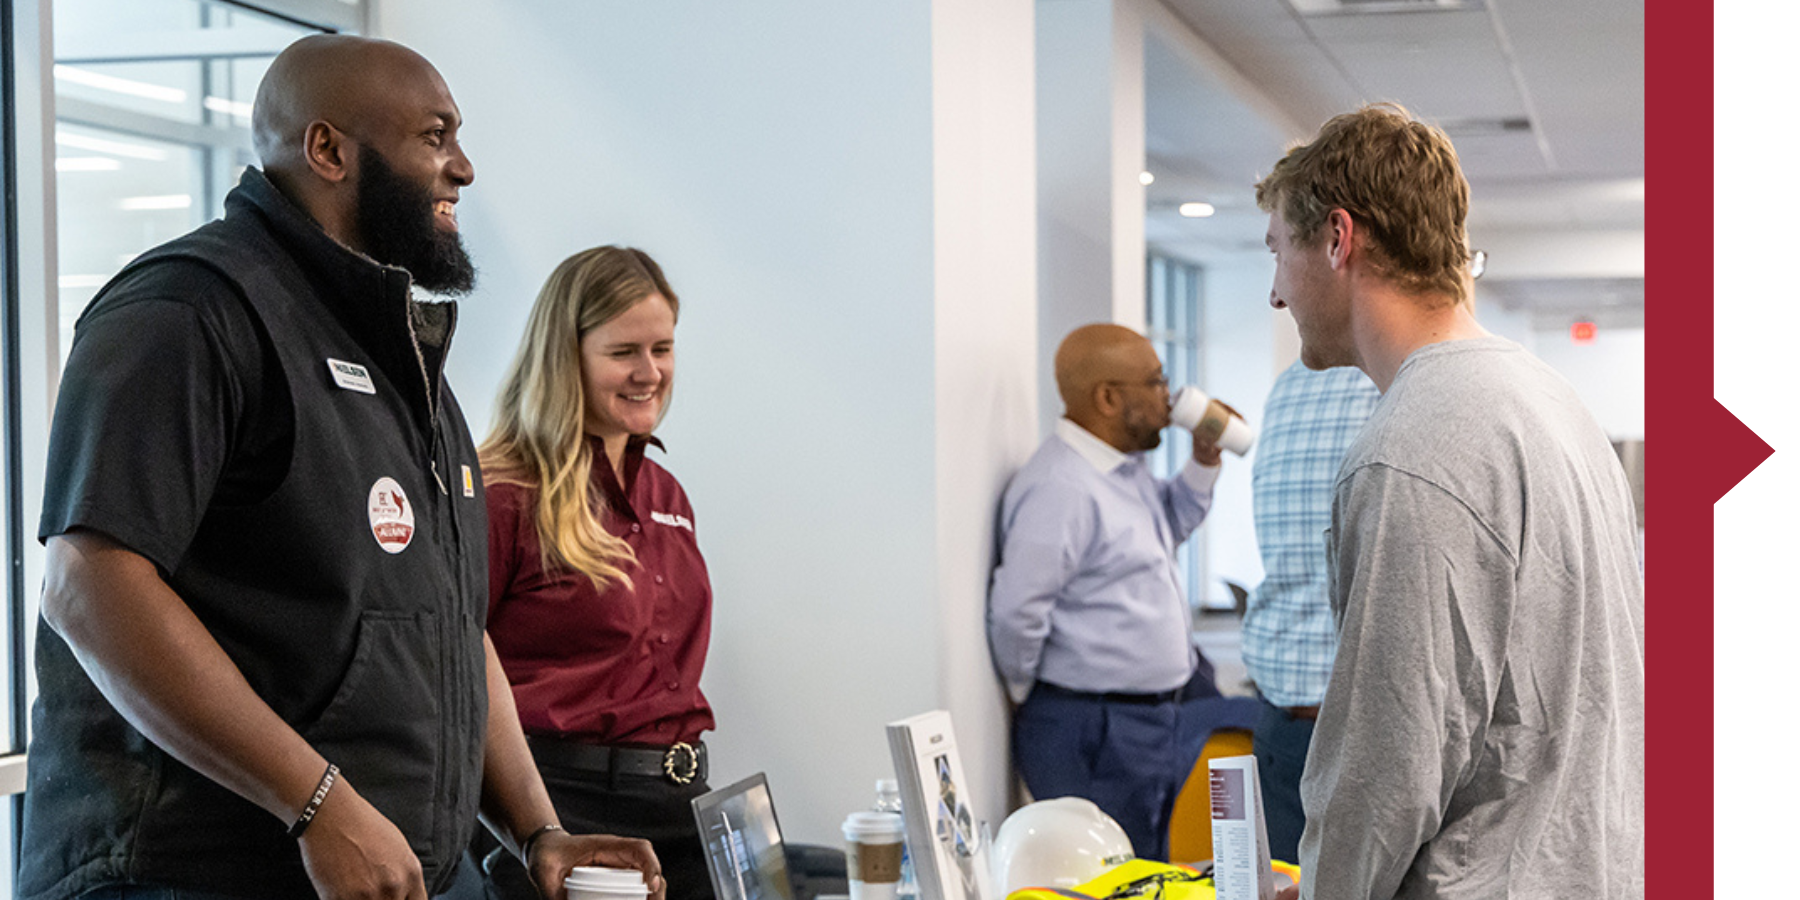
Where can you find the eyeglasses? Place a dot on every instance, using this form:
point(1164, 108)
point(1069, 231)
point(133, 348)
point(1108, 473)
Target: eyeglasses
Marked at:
point(1160, 382)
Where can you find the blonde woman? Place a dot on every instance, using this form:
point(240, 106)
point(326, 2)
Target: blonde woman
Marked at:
point(600, 607)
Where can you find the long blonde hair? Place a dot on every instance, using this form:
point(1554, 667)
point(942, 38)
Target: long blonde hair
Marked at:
point(537, 438)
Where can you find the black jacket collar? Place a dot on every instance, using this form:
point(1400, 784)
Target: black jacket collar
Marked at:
point(371, 300)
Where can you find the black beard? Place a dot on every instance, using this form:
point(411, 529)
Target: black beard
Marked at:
point(1141, 433)
point(398, 227)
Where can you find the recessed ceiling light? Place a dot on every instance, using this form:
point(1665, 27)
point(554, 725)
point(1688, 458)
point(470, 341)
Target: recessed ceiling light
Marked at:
point(1197, 210)
point(1146, 177)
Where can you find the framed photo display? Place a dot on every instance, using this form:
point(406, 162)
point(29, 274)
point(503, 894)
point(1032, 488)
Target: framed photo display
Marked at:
point(946, 839)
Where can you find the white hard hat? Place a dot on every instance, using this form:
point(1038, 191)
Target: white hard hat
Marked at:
point(1057, 843)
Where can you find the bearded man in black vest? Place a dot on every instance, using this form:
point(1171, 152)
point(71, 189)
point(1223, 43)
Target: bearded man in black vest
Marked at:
point(262, 659)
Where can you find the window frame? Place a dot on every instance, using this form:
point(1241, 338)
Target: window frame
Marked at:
point(1174, 308)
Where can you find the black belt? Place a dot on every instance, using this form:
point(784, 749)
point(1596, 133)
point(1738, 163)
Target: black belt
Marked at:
point(1173, 695)
point(677, 763)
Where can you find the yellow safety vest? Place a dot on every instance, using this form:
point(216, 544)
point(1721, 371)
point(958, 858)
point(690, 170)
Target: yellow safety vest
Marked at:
point(1142, 879)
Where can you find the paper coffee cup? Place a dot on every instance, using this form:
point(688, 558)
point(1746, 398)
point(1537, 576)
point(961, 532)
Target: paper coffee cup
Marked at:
point(600, 883)
point(1209, 419)
point(872, 843)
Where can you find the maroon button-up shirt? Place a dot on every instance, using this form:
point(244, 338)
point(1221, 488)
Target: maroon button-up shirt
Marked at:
point(619, 667)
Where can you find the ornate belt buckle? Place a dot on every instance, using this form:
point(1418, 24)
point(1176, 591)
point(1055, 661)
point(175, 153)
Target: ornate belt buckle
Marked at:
point(681, 762)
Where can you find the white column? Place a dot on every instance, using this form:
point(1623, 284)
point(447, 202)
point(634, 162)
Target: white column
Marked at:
point(1090, 121)
point(986, 345)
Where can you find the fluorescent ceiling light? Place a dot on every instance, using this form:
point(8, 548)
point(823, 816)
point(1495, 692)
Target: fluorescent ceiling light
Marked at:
point(118, 85)
point(1197, 210)
point(164, 201)
point(1146, 177)
point(116, 148)
point(225, 105)
point(67, 282)
point(86, 164)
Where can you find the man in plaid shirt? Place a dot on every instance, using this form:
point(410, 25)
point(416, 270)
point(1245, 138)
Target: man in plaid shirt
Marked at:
point(1290, 638)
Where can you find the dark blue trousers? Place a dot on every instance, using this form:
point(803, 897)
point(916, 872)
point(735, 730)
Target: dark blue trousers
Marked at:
point(1122, 756)
point(1280, 742)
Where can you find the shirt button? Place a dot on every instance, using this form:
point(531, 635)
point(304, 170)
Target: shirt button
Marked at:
point(635, 528)
point(664, 639)
point(659, 579)
point(673, 685)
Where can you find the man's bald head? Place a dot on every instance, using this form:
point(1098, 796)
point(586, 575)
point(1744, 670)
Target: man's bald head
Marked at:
point(1112, 385)
point(362, 135)
point(1093, 354)
point(352, 82)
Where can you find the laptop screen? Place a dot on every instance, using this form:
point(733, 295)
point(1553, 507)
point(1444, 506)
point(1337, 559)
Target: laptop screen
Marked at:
point(744, 852)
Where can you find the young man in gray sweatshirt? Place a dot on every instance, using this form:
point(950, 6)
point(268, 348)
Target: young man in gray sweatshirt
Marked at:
point(1482, 732)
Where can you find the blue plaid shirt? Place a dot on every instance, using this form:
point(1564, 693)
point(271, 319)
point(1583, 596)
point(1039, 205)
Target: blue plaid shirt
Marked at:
point(1308, 423)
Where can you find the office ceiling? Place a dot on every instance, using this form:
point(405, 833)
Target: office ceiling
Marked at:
point(1544, 100)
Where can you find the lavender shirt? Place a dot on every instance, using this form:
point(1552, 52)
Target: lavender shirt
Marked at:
point(1086, 595)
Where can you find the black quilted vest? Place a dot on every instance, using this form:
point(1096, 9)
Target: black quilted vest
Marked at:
point(354, 609)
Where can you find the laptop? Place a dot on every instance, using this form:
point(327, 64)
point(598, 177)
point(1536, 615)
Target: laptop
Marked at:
point(744, 852)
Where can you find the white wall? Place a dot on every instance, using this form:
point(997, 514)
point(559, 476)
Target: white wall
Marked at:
point(1608, 374)
point(1514, 326)
point(987, 359)
point(1239, 331)
point(848, 404)
point(1090, 142)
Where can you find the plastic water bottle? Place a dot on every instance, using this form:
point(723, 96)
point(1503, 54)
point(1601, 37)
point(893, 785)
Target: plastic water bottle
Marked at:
point(887, 799)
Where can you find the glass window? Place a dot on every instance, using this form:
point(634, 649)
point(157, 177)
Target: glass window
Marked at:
point(1173, 325)
point(153, 103)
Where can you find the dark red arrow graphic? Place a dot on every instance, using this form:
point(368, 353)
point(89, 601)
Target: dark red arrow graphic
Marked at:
point(1735, 451)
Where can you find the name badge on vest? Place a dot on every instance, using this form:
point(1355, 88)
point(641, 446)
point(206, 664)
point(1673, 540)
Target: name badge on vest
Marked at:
point(350, 376)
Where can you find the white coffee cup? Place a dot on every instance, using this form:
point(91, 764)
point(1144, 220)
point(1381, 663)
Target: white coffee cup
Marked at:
point(872, 844)
point(1191, 409)
point(601, 883)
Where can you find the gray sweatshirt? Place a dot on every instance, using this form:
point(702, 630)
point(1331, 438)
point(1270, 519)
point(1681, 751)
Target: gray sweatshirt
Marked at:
point(1482, 736)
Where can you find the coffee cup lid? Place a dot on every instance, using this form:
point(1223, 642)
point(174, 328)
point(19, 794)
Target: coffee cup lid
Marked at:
point(604, 879)
point(883, 827)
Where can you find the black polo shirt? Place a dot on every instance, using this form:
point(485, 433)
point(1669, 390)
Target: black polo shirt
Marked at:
point(180, 407)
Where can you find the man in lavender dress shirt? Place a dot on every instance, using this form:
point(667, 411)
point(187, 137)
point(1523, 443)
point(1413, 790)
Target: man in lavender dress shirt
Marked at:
point(1086, 617)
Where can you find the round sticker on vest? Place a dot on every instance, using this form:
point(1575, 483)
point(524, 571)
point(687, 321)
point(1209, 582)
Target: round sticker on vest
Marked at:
point(390, 515)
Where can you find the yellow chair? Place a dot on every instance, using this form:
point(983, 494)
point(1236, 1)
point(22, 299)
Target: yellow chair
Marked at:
point(1190, 824)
